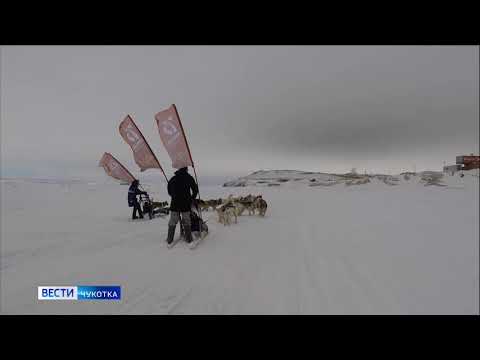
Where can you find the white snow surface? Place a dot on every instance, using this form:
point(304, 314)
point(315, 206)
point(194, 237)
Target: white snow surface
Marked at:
point(373, 248)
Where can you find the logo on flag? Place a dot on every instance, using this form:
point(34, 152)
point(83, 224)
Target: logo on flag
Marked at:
point(173, 137)
point(114, 169)
point(142, 153)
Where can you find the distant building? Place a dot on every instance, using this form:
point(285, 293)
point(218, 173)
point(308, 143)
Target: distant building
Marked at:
point(463, 162)
point(468, 162)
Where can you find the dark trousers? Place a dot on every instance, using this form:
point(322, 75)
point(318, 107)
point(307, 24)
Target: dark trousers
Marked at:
point(136, 207)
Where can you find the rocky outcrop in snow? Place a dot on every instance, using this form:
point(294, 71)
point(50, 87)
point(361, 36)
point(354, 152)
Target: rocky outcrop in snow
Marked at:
point(319, 179)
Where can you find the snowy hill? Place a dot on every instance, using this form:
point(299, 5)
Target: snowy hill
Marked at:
point(278, 177)
point(287, 177)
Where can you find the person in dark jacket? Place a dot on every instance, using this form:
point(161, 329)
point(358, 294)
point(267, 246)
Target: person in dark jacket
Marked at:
point(183, 189)
point(133, 191)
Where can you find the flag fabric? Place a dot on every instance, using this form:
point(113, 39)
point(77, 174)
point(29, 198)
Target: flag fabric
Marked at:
point(114, 168)
point(173, 137)
point(142, 153)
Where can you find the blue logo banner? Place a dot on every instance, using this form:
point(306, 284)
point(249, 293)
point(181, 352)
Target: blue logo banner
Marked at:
point(99, 292)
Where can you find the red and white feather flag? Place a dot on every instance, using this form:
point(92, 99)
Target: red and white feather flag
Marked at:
point(173, 137)
point(142, 153)
point(115, 169)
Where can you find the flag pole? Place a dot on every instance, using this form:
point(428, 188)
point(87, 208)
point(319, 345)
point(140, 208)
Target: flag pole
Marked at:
point(190, 154)
point(158, 162)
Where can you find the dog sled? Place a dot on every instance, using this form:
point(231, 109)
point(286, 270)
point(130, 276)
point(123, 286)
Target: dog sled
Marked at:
point(199, 228)
point(152, 208)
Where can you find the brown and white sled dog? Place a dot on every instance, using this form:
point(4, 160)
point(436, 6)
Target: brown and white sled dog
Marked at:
point(206, 204)
point(203, 205)
point(214, 203)
point(230, 213)
point(226, 213)
point(239, 208)
point(160, 204)
point(260, 205)
point(245, 205)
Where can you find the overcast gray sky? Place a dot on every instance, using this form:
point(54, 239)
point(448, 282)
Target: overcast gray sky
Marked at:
point(244, 108)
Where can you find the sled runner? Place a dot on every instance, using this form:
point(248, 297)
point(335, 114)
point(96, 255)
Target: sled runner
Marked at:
point(199, 229)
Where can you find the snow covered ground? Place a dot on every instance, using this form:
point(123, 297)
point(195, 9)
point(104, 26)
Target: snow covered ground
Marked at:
point(361, 249)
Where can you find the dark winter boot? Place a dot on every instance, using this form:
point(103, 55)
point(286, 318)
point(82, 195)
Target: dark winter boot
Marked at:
point(171, 233)
point(188, 234)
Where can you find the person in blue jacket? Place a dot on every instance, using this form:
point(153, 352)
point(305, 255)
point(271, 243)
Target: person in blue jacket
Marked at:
point(133, 191)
